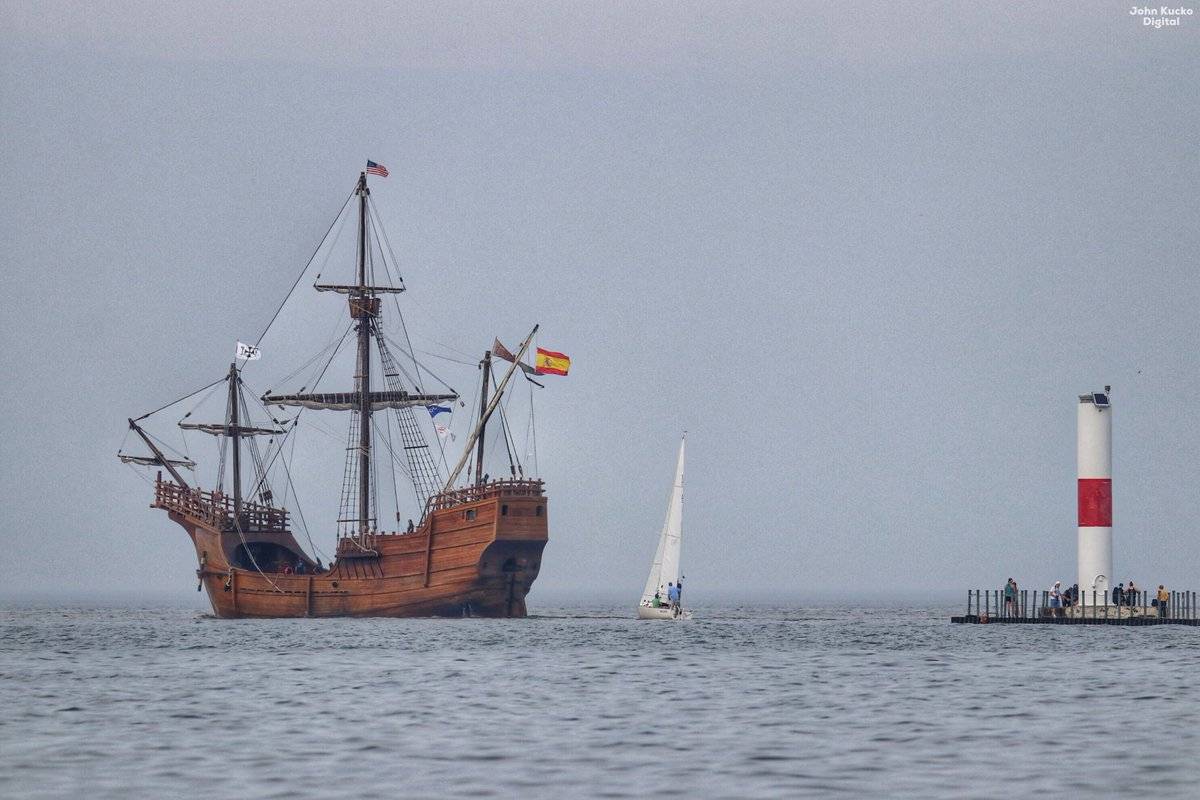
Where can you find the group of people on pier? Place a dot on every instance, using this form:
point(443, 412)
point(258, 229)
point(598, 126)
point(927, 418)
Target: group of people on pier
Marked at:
point(1123, 595)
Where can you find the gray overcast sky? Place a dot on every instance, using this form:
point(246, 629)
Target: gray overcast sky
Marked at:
point(867, 254)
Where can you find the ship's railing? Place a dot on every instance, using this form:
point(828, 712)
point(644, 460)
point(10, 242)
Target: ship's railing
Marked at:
point(358, 547)
point(216, 507)
point(511, 487)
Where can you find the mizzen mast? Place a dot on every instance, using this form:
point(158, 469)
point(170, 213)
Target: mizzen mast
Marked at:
point(235, 435)
point(235, 431)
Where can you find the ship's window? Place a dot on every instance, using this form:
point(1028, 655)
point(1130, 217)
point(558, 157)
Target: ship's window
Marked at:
point(539, 511)
point(504, 510)
point(470, 513)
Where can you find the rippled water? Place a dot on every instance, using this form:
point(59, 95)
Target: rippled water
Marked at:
point(737, 702)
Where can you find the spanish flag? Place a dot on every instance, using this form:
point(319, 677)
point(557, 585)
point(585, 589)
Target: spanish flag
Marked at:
point(549, 362)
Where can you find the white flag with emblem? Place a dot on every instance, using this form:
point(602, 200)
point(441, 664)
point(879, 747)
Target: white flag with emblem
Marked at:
point(443, 432)
point(248, 351)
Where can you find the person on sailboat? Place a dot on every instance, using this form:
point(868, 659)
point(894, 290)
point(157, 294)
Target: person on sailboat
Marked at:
point(657, 601)
point(673, 594)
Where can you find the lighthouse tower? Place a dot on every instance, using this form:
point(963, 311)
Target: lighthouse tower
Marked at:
point(1095, 495)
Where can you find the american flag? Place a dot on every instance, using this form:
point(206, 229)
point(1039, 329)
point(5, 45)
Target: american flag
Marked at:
point(377, 169)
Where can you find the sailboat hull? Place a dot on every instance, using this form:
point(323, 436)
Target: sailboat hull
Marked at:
point(663, 612)
point(475, 558)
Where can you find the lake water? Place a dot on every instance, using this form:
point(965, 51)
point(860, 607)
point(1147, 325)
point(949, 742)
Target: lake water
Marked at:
point(737, 702)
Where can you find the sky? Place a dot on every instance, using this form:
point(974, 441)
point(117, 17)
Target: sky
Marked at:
point(866, 254)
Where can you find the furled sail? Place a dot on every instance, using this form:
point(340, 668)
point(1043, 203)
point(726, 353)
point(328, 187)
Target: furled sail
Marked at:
point(665, 568)
point(357, 290)
point(155, 461)
point(229, 430)
point(349, 401)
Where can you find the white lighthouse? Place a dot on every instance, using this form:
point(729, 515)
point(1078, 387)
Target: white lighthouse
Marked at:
point(1095, 495)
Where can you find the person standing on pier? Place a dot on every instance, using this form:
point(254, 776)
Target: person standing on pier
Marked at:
point(1163, 598)
point(1131, 594)
point(1055, 595)
point(1010, 598)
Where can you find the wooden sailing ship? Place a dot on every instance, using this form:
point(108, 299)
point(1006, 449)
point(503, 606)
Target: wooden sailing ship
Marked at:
point(475, 549)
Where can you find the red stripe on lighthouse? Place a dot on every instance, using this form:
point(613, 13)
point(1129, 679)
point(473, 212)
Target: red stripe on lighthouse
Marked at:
point(1095, 502)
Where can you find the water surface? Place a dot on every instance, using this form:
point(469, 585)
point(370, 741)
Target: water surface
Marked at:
point(737, 702)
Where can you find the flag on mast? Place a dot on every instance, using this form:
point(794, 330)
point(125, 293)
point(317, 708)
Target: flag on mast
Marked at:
point(550, 362)
point(248, 352)
point(376, 169)
point(500, 351)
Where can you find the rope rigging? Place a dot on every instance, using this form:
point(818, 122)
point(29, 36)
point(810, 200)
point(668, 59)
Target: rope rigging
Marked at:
point(513, 468)
point(340, 215)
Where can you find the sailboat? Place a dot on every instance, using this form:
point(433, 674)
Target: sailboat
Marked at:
point(474, 548)
point(664, 572)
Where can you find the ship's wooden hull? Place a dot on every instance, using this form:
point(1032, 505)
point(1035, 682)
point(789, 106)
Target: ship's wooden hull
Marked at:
point(472, 559)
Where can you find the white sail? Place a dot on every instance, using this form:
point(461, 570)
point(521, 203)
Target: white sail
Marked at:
point(665, 568)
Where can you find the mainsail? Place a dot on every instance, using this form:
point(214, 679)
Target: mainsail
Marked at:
point(665, 568)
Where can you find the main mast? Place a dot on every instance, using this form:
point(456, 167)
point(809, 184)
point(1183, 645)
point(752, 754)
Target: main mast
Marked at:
point(366, 310)
point(363, 400)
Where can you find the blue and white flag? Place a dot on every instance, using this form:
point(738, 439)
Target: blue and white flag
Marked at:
point(435, 410)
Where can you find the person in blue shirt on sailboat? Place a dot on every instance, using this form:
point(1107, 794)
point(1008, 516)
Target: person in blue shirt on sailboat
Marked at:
point(673, 594)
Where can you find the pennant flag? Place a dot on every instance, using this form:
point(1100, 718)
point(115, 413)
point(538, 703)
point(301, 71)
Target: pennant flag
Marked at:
point(248, 352)
point(443, 432)
point(376, 169)
point(435, 410)
point(500, 351)
point(552, 363)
